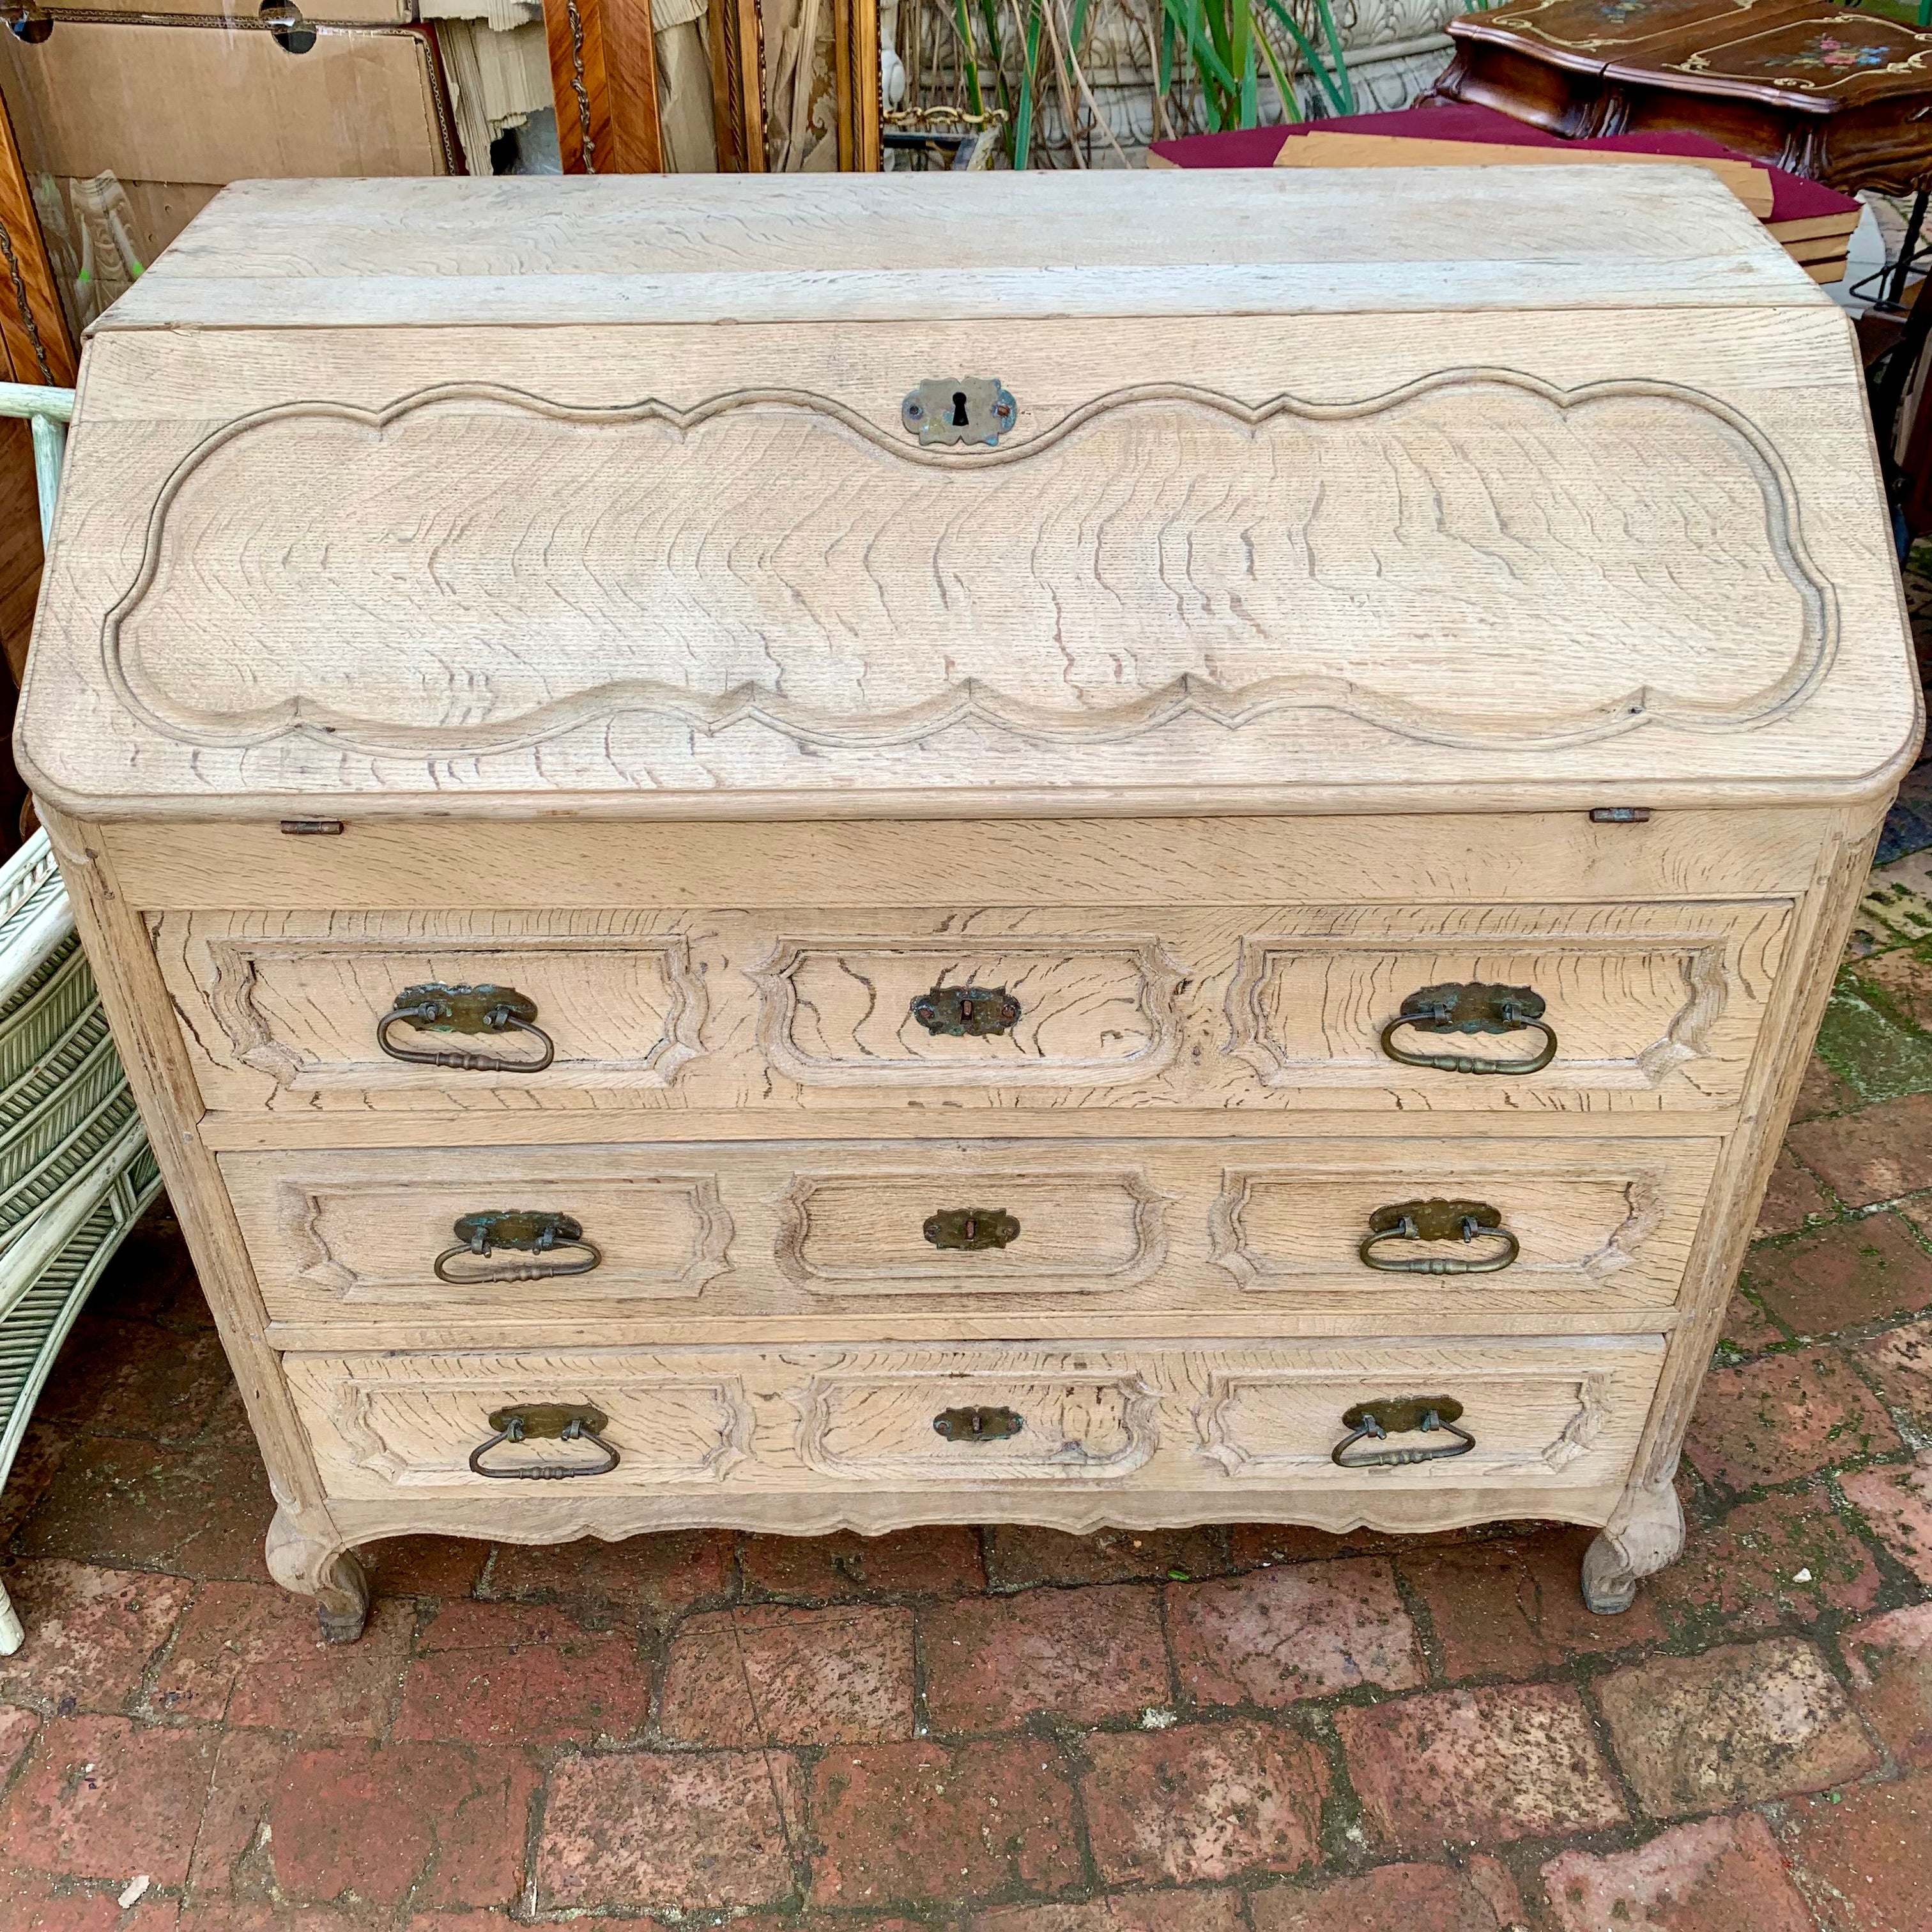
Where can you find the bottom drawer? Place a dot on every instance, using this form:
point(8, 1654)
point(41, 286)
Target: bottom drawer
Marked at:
point(978, 1420)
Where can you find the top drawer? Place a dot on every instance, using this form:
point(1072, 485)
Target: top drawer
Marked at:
point(1641, 1007)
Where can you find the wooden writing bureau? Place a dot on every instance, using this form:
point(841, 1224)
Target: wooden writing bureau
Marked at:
point(849, 851)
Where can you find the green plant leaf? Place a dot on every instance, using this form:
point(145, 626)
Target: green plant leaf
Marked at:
point(1029, 70)
point(1284, 84)
point(969, 56)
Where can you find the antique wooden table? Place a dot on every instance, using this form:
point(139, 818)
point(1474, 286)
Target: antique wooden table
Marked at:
point(1840, 97)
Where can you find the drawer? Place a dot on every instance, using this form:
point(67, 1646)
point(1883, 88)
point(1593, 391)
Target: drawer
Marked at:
point(963, 1232)
point(1542, 1414)
point(1650, 1007)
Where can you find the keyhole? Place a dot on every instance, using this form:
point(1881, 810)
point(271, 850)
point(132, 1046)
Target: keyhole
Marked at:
point(959, 409)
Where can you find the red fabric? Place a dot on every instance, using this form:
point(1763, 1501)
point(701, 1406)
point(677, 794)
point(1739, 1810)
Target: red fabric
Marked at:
point(1792, 197)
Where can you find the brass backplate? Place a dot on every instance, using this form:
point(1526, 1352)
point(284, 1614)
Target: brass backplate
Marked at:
point(522, 1228)
point(547, 1421)
point(961, 1010)
point(1397, 1415)
point(972, 1228)
point(958, 409)
point(436, 1008)
point(1472, 1007)
point(1437, 1220)
point(978, 1425)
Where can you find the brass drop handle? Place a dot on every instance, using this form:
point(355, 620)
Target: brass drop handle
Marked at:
point(978, 1425)
point(1394, 1232)
point(436, 1008)
point(972, 1228)
point(1471, 1007)
point(524, 1232)
point(561, 1422)
point(1421, 1415)
point(976, 1011)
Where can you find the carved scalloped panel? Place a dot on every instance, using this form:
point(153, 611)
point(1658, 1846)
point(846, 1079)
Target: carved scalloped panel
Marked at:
point(349, 1235)
point(878, 1424)
point(281, 1010)
point(411, 1422)
point(1610, 1225)
point(1091, 1230)
point(1651, 1005)
point(1093, 1010)
point(1548, 1420)
point(1472, 558)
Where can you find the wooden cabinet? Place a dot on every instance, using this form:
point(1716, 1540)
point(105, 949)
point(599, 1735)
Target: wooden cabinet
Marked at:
point(1189, 889)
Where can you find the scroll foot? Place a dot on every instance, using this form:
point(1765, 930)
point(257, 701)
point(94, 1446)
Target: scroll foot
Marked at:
point(1644, 1534)
point(315, 1564)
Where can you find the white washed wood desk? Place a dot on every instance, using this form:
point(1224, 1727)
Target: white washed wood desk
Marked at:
point(965, 894)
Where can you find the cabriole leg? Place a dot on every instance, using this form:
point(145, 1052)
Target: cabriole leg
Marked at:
point(314, 1563)
point(1646, 1532)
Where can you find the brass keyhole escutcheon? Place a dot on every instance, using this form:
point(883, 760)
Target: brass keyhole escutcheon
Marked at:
point(978, 1424)
point(977, 1012)
point(959, 409)
point(971, 1229)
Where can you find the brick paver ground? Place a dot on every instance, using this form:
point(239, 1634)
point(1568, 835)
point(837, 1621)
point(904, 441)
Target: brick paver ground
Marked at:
point(1251, 1729)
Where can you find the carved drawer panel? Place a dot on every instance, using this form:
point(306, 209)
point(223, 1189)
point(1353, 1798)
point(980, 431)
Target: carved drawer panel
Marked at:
point(349, 1235)
point(1540, 1410)
point(285, 1010)
point(1597, 1223)
point(1540, 1414)
point(378, 1423)
point(1630, 1006)
point(936, 1420)
point(977, 1224)
point(1030, 1010)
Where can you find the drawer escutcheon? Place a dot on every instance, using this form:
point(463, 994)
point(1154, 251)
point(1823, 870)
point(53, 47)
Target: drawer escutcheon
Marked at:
point(972, 1228)
point(967, 1011)
point(978, 1425)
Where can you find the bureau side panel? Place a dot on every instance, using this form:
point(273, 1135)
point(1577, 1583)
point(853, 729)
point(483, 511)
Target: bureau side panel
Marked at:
point(142, 1017)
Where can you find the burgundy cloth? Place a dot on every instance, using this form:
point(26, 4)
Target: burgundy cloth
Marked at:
point(1792, 197)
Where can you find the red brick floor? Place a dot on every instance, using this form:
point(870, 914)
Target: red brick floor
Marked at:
point(1253, 1729)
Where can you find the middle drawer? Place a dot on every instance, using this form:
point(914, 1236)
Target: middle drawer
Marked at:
point(956, 1231)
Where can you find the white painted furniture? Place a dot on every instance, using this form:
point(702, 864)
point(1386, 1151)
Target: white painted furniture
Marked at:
point(1121, 829)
